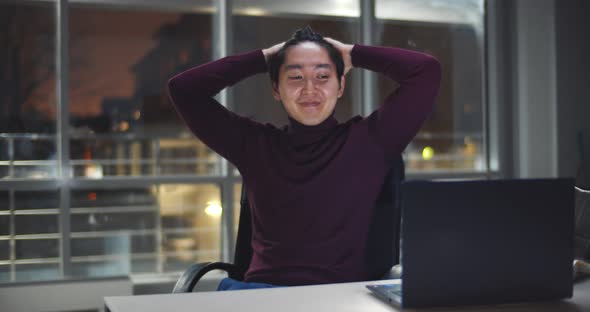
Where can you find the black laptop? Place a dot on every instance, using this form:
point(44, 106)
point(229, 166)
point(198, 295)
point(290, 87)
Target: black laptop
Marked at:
point(484, 242)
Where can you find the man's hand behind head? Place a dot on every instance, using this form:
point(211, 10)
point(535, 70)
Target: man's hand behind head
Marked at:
point(272, 50)
point(345, 50)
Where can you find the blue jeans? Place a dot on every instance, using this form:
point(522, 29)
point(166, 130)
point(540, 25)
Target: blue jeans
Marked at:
point(232, 284)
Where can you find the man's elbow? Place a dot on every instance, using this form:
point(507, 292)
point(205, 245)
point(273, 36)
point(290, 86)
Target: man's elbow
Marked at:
point(433, 67)
point(172, 85)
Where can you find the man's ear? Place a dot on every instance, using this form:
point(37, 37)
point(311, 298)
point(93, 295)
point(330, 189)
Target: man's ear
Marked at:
point(275, 91)
point(342, 84)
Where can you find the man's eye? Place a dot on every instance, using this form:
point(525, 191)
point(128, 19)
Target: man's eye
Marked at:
point(323, 76)
point(294, 77)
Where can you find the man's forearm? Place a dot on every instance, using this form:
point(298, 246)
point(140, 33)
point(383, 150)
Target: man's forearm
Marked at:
point(192, 94)
point(397, 64)
point(400, 117)
point(209, 79)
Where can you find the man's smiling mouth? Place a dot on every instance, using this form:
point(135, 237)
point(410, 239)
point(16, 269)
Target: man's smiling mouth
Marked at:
point(310, 103)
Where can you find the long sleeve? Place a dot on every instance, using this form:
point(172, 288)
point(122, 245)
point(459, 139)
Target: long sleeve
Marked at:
point(192, 93)
point(399, 118)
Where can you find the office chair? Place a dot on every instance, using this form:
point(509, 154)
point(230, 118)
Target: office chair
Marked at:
point(582, 213)
point(382, 247)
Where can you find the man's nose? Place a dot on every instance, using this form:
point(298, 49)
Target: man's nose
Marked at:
point(309, 85)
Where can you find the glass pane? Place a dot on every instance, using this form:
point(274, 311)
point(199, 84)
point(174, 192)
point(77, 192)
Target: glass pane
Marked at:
point(114, 230)
point(37, 248)
point(256, 32)
point(187, 156)
point(27, 89)
point(36, 224)
point(179, 263)
point(105, 198)
point(30, 149)
point(348, 8)
point(430, 11)
point(114, 209)
point(112, 156)
point(4, 249)
point(122, 266)
point(4, 200)
point(205, 241)
point(24, 200)
point(100, 246)
point(113, 245)
point(452, 138)
point(4, 273)
point(143, 265)
point(4, 225)
point(124, 124)
point(191, 222)
point(113, 221)
point(102, 268)
point(37, 272)
point(109, 226)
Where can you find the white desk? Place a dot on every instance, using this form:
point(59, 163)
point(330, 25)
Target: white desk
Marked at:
point(333, 297)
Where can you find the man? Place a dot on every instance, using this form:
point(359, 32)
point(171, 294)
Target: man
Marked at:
point(312, 184)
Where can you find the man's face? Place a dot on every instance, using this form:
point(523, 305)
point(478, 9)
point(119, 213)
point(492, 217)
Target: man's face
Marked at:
point(308, 84)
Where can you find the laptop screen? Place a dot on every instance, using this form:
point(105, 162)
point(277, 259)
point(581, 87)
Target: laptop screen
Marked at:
point(486, 242)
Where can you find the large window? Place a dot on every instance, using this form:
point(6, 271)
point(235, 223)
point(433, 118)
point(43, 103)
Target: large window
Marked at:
point(124, 188)
point(29, 228)
point(103, 219)
point(123, 125)
point(27, 90)
point(122, 121)
point(452, 139)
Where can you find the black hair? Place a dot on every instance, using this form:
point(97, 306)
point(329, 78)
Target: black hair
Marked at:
point(303, 35)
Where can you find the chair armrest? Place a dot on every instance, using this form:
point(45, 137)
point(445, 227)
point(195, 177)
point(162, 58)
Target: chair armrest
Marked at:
point(394, 273)
point(190, 277)
point(581, 270)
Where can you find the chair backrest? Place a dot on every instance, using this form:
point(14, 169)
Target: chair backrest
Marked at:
point(582, 215)
point(383, 245)
point(384, 234)
point(243, 251)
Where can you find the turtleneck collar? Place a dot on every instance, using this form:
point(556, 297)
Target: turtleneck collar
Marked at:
point(296, 127)
point(304, 151)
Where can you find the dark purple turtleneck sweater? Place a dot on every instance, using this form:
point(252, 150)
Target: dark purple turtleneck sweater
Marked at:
point(311, 188)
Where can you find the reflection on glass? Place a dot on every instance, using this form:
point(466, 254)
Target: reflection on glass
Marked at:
point(27, 90)
point(190, 232)
point(111, 226)
point(452, 138)
point(123, 123)
point(37, 272)
point(156, 229)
